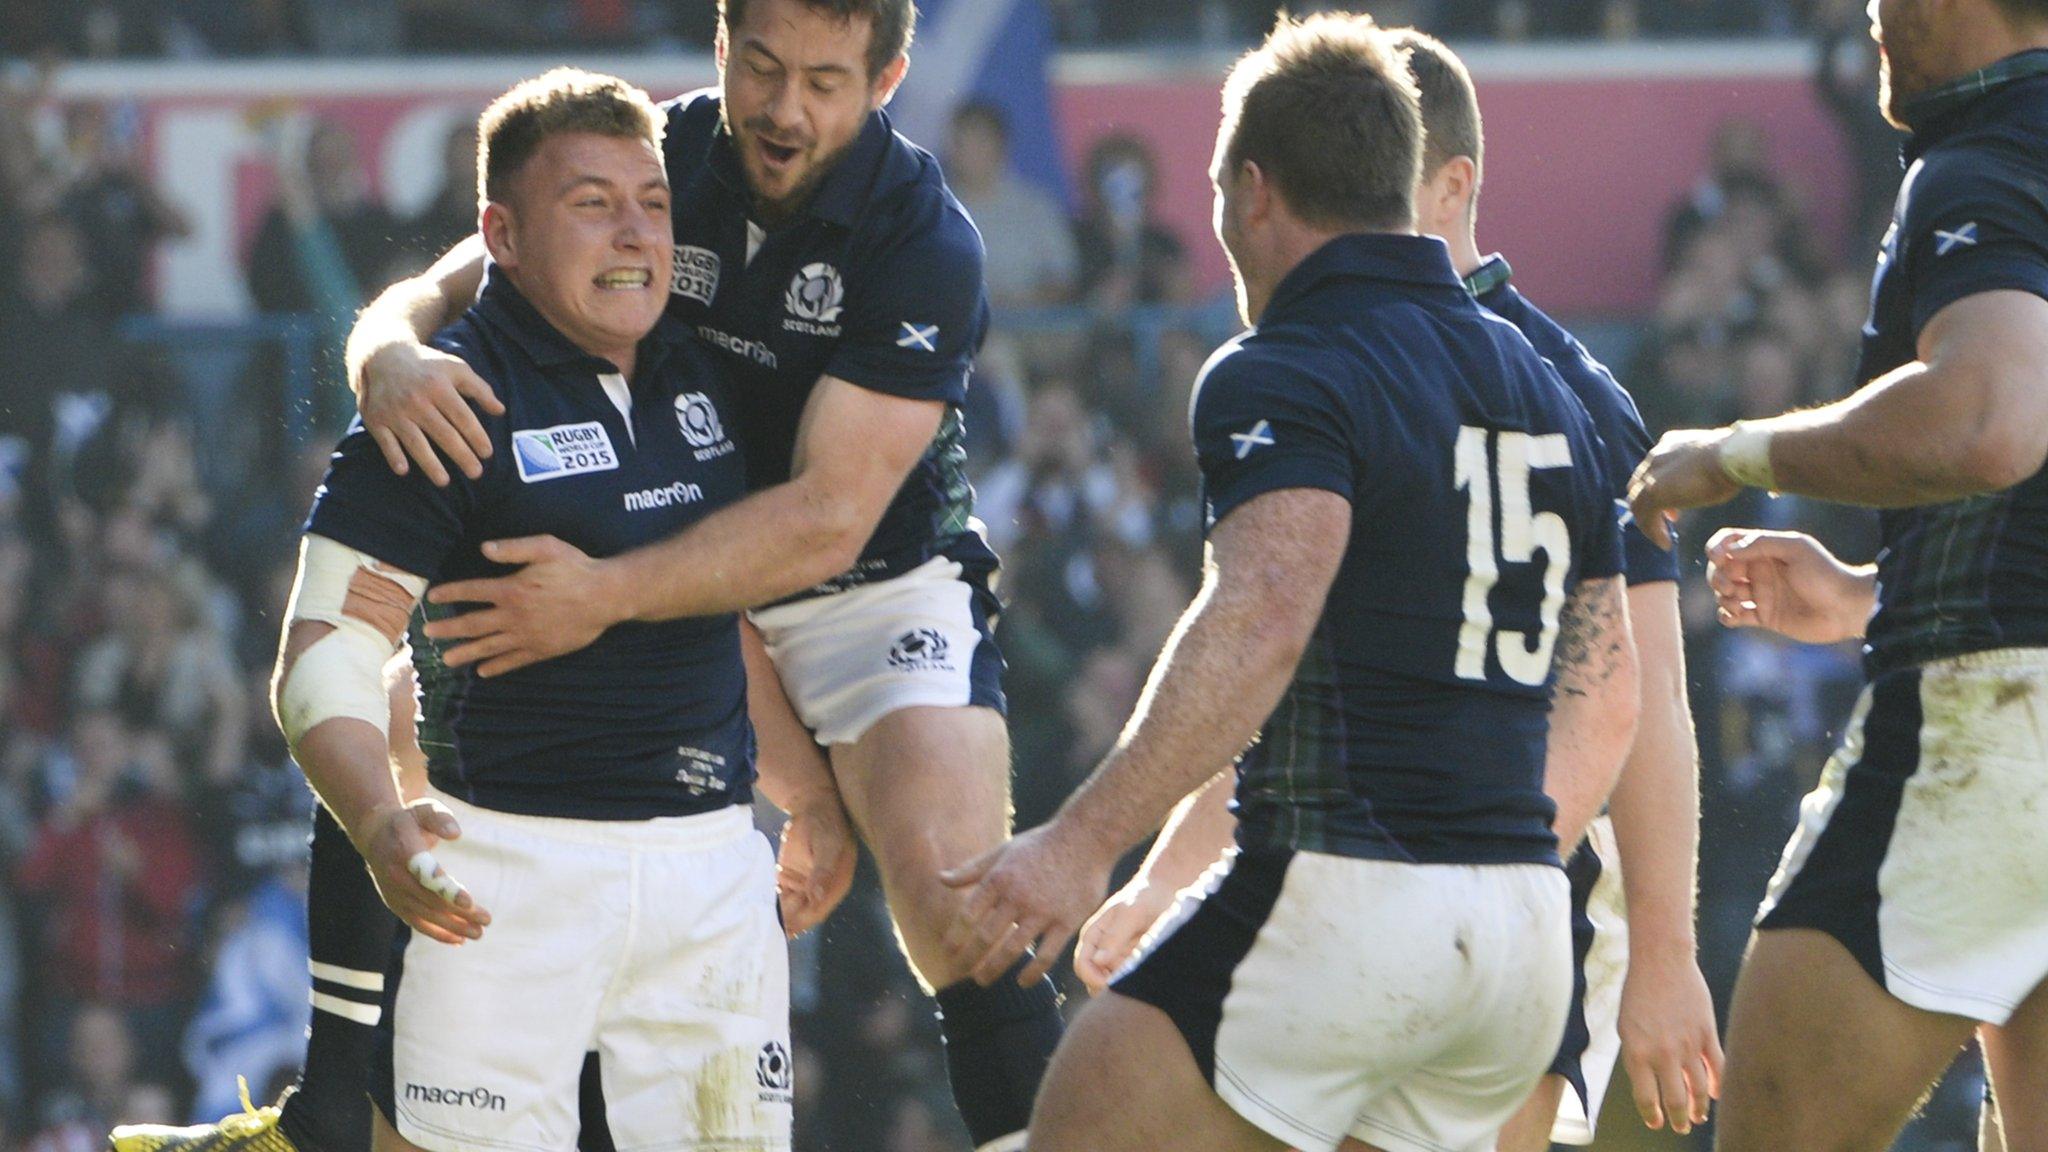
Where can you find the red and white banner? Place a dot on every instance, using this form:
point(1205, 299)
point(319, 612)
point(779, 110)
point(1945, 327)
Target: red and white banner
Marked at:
point(1588, 148)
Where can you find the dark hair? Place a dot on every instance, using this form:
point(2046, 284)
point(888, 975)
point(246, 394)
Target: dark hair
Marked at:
point(1325, 108)
point(894, 23)
point(1450, 104)
point(563, 100)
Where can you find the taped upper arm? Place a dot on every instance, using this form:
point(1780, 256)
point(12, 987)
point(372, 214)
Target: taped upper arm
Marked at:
point(348, 588)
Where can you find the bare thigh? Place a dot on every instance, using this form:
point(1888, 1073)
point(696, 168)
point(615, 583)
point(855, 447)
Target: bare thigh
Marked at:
point(1820, 1058)
point(385, 1138)
point(1529, 1131)
point(928, 789)
point(2017, 1053)
point(1123, 1080)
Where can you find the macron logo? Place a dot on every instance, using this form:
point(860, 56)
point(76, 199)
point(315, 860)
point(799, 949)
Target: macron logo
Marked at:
point(668, 497)
point(1261, 436)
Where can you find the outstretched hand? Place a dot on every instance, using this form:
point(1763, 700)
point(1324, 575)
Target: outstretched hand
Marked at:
point(1111, 935)
point(548, 608)
point(1683, 471)
point(1026, 895)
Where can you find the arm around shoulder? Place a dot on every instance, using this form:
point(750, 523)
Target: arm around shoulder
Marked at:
point(415, 398)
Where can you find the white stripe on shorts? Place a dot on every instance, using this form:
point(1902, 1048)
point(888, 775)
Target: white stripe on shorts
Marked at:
point(348, 1009)
point(347, 977)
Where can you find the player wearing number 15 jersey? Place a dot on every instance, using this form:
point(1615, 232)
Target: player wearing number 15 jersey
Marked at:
point(1411, 537)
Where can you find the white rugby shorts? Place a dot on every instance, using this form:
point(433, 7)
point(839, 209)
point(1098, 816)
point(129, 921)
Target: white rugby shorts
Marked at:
point(1924, 850)
point(1410, 1006)
point(654, 943)
point(922, 639)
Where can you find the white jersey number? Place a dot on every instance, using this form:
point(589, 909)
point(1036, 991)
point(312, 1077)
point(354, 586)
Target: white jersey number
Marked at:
point(1523, 533)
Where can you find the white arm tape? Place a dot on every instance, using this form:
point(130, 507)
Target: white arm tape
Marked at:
point(342, 673)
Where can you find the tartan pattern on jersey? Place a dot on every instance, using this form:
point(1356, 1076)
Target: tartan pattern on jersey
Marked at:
point(441, 690)
point(954, 505)
point(1296, 776)
point(1937, 583)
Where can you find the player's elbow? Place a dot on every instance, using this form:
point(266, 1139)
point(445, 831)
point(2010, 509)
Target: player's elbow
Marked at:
point(2000, 455)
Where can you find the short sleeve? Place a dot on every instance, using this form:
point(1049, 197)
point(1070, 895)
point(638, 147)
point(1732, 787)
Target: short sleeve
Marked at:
point(1601, 553)
point(917, 310)
point(1627, 441)
point(1261, 424)
point(405, 521)
point(1972, 227)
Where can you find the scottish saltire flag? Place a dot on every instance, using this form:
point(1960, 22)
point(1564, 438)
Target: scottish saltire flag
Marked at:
point(996, 51)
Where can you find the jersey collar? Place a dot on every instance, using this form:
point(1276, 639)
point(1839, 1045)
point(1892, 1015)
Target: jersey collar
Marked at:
point(1936, 114)
point(508, 312)
point(1491, 275)
point(1422, 261)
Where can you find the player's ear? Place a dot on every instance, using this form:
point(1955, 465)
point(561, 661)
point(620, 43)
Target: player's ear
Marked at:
point(1258, 191)
point(891, 78)
point(498, 237)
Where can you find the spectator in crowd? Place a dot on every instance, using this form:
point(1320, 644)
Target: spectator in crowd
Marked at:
point(1846, 77)
point(328, 236)
point(100, 1085)
point(58, 359)
point(1031, 258)
point(452, 213)
point(165, 664)
point(116, 209)
point(252, 1019)
point(115, 874)
point(1128, 256)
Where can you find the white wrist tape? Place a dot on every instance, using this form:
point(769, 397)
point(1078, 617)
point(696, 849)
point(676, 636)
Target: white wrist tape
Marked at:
point(1746, 457)
point(342, 673)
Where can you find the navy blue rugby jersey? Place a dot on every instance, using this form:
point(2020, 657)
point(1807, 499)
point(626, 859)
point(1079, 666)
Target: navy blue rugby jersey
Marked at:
point(1613, 410)
point(651, 719)
point(878, 282)
point(1972, 217)
point(1414, 729)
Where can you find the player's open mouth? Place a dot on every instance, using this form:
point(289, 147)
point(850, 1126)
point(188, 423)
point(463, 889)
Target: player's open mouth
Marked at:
point(778, 155)
point(624, 279)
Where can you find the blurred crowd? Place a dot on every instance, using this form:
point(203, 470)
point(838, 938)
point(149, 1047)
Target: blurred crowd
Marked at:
point(107, 29)
point(152, 826)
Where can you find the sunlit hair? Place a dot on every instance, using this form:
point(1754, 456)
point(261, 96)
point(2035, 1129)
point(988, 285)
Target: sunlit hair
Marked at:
point(1326, 109)
point(1450, 104)
point(564, 100)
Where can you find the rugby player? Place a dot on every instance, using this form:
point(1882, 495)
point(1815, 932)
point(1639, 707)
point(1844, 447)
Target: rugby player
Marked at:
point(1911, 906)
point(577, 783)
point(1387, 961)
point(600, 802)
point(838, 285)
point(1638, 988)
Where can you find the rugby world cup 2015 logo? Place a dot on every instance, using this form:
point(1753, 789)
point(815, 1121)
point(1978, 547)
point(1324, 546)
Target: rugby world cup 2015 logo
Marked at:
point(815, 299)
point(696, 273)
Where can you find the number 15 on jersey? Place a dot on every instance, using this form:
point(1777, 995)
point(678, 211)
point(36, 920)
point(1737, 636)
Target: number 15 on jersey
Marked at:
point(1524, 533)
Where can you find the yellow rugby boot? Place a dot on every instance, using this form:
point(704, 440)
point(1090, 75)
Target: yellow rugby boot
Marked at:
point(252, 1129)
